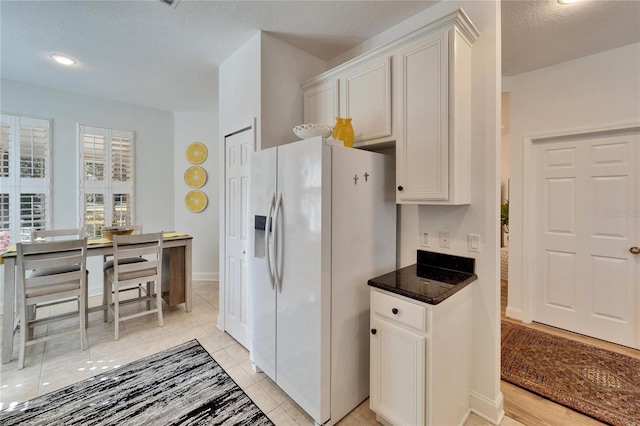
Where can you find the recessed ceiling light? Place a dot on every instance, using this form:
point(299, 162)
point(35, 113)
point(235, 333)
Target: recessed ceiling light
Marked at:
point(567, 1)
point(61, 59)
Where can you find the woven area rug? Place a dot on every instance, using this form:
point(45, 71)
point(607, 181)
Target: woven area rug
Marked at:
point(179, 386)
point(602, 384)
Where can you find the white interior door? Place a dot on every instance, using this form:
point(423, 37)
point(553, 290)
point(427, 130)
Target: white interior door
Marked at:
point(237, 149)
point(586, 220)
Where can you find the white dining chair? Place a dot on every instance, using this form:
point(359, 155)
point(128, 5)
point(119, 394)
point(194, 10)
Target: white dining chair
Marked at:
point(124, 275)
point(39, 235)
point(45, 235)
point(108, 264)
point(50, 272)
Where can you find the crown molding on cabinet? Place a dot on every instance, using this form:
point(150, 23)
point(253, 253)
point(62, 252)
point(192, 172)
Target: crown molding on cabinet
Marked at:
point(464, 25)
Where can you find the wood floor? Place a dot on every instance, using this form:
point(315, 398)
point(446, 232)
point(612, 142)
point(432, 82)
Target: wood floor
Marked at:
point(533, 410)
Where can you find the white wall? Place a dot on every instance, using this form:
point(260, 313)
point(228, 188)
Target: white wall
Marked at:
point(239, 89)
point(153, 150)
point(202, 127)
point(260, 81)
point(504, 181)
point(284, 69)
point(591, 92)
point(482, 216)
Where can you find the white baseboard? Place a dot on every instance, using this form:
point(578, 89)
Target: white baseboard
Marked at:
point(515, 313)
point(491, 411)
point(205, 276)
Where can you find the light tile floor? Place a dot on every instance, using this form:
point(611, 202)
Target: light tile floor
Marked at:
point(60, 362)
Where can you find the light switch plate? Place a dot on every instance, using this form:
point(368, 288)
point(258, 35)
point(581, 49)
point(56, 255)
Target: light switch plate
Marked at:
point(474, 242)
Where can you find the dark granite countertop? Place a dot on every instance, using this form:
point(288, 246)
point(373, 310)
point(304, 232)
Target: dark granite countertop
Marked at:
point(432, 280)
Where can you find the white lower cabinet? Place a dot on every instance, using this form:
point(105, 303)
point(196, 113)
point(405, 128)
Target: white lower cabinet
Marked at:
point(398, 358)
point(420, 359)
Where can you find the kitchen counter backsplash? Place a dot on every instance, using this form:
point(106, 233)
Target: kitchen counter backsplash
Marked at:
point(446, 261)
point(432, 280)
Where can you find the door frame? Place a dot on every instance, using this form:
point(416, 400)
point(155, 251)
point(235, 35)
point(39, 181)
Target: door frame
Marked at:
point(222, 225)
point(527, 202)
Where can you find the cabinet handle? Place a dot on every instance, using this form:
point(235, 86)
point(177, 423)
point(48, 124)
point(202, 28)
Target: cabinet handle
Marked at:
point(395, 311)
point(400, 188)
point(374, 331)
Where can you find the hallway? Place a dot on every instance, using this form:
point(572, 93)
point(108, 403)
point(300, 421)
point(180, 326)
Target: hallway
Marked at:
point(531, 409)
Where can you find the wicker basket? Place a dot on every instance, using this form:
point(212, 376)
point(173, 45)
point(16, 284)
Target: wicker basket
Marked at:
point(109, 232)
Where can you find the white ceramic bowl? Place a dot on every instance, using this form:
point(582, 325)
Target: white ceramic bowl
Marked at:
point(305, 131)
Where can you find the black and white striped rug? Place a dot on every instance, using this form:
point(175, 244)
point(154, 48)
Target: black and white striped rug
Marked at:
point(180, 386)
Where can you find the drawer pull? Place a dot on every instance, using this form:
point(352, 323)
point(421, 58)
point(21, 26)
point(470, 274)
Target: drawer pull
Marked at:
point(395, 311)
point(374, 331)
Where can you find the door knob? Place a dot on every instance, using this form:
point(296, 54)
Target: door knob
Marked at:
point(400, 188)
point(374, 331)
point(394, 311)
point(635, 250)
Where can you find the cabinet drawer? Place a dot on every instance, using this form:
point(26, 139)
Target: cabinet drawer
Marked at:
point(406, 312)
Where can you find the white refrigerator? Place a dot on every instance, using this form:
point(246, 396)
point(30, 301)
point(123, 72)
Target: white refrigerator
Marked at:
point(324, 222)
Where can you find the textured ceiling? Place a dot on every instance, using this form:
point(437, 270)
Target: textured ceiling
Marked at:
point(151, 54)
point(540, 33)
point(147, 53)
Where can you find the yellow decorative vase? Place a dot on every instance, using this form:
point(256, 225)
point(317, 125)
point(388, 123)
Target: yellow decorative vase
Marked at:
point(336, 128)
point(344, 131)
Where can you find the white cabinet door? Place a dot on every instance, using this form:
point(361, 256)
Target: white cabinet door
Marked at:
point(398, 359)
point(321, 103)
point(432, 109)
point(366, 98)
point(422, 151)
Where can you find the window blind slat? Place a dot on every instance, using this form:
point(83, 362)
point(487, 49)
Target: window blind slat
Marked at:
point(34, 149)
point(94, 214)
point(93, 154)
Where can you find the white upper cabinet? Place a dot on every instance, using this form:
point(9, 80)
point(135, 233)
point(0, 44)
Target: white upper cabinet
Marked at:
point(367, 99)
point(422, 151)
point(362, 92)
point(320, 103)
point(415, 93)
point(433, 116)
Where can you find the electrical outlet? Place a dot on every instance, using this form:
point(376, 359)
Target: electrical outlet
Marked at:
point(444, 239)
point(425, 239)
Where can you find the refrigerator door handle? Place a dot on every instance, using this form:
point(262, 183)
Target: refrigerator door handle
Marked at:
point(276, 261)
point(267, 230)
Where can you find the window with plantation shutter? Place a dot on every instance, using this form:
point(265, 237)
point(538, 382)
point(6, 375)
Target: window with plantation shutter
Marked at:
point(5, 231)
point(106, 186)
point(4, 150)
point(25, 177)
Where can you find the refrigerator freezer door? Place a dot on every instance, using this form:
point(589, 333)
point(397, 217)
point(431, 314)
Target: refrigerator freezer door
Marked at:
point(262, 295)
point(363, 246)
point(303, 262)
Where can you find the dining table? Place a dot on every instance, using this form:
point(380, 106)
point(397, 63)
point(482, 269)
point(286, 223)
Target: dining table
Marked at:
point(176, 280)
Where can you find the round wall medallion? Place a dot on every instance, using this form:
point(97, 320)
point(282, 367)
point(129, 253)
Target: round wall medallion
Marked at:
point(196, 201)
point(197, 153)
point(195, 177)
